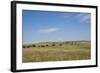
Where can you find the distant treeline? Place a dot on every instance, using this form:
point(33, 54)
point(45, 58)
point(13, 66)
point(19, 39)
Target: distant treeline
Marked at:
point(52, 44)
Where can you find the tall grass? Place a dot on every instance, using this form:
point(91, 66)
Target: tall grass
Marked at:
point(57, 52)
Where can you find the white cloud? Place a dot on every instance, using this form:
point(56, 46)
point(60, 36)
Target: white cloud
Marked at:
point(83, 17)
point(48, 30)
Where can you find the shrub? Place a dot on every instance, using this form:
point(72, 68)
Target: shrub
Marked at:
point(53, 44)
point(60, 44)
point(75, 43)
point(28, 46)
point(67, 42)
point(33, 45)
point(42, 46)
point(24, 46)
point(47, 45)
point(71, 43)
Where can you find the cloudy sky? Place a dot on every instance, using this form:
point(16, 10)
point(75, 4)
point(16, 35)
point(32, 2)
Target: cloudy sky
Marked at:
point(42, 26)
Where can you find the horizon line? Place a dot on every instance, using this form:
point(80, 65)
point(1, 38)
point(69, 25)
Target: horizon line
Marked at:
point(51, 41)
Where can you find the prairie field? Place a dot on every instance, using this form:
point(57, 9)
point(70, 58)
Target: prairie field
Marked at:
point(56, 51)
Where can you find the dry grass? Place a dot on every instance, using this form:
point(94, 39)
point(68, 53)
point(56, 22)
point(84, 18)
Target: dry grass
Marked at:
point(57, 53)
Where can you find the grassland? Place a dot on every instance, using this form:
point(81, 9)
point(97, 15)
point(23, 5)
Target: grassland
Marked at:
point(56, 51)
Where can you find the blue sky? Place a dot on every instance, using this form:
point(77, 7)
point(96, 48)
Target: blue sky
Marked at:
point(42, 26)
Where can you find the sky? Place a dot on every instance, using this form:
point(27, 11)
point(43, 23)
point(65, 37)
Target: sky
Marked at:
point(43, 26)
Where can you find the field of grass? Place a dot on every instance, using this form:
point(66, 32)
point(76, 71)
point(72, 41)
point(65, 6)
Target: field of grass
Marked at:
point(56, 51)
